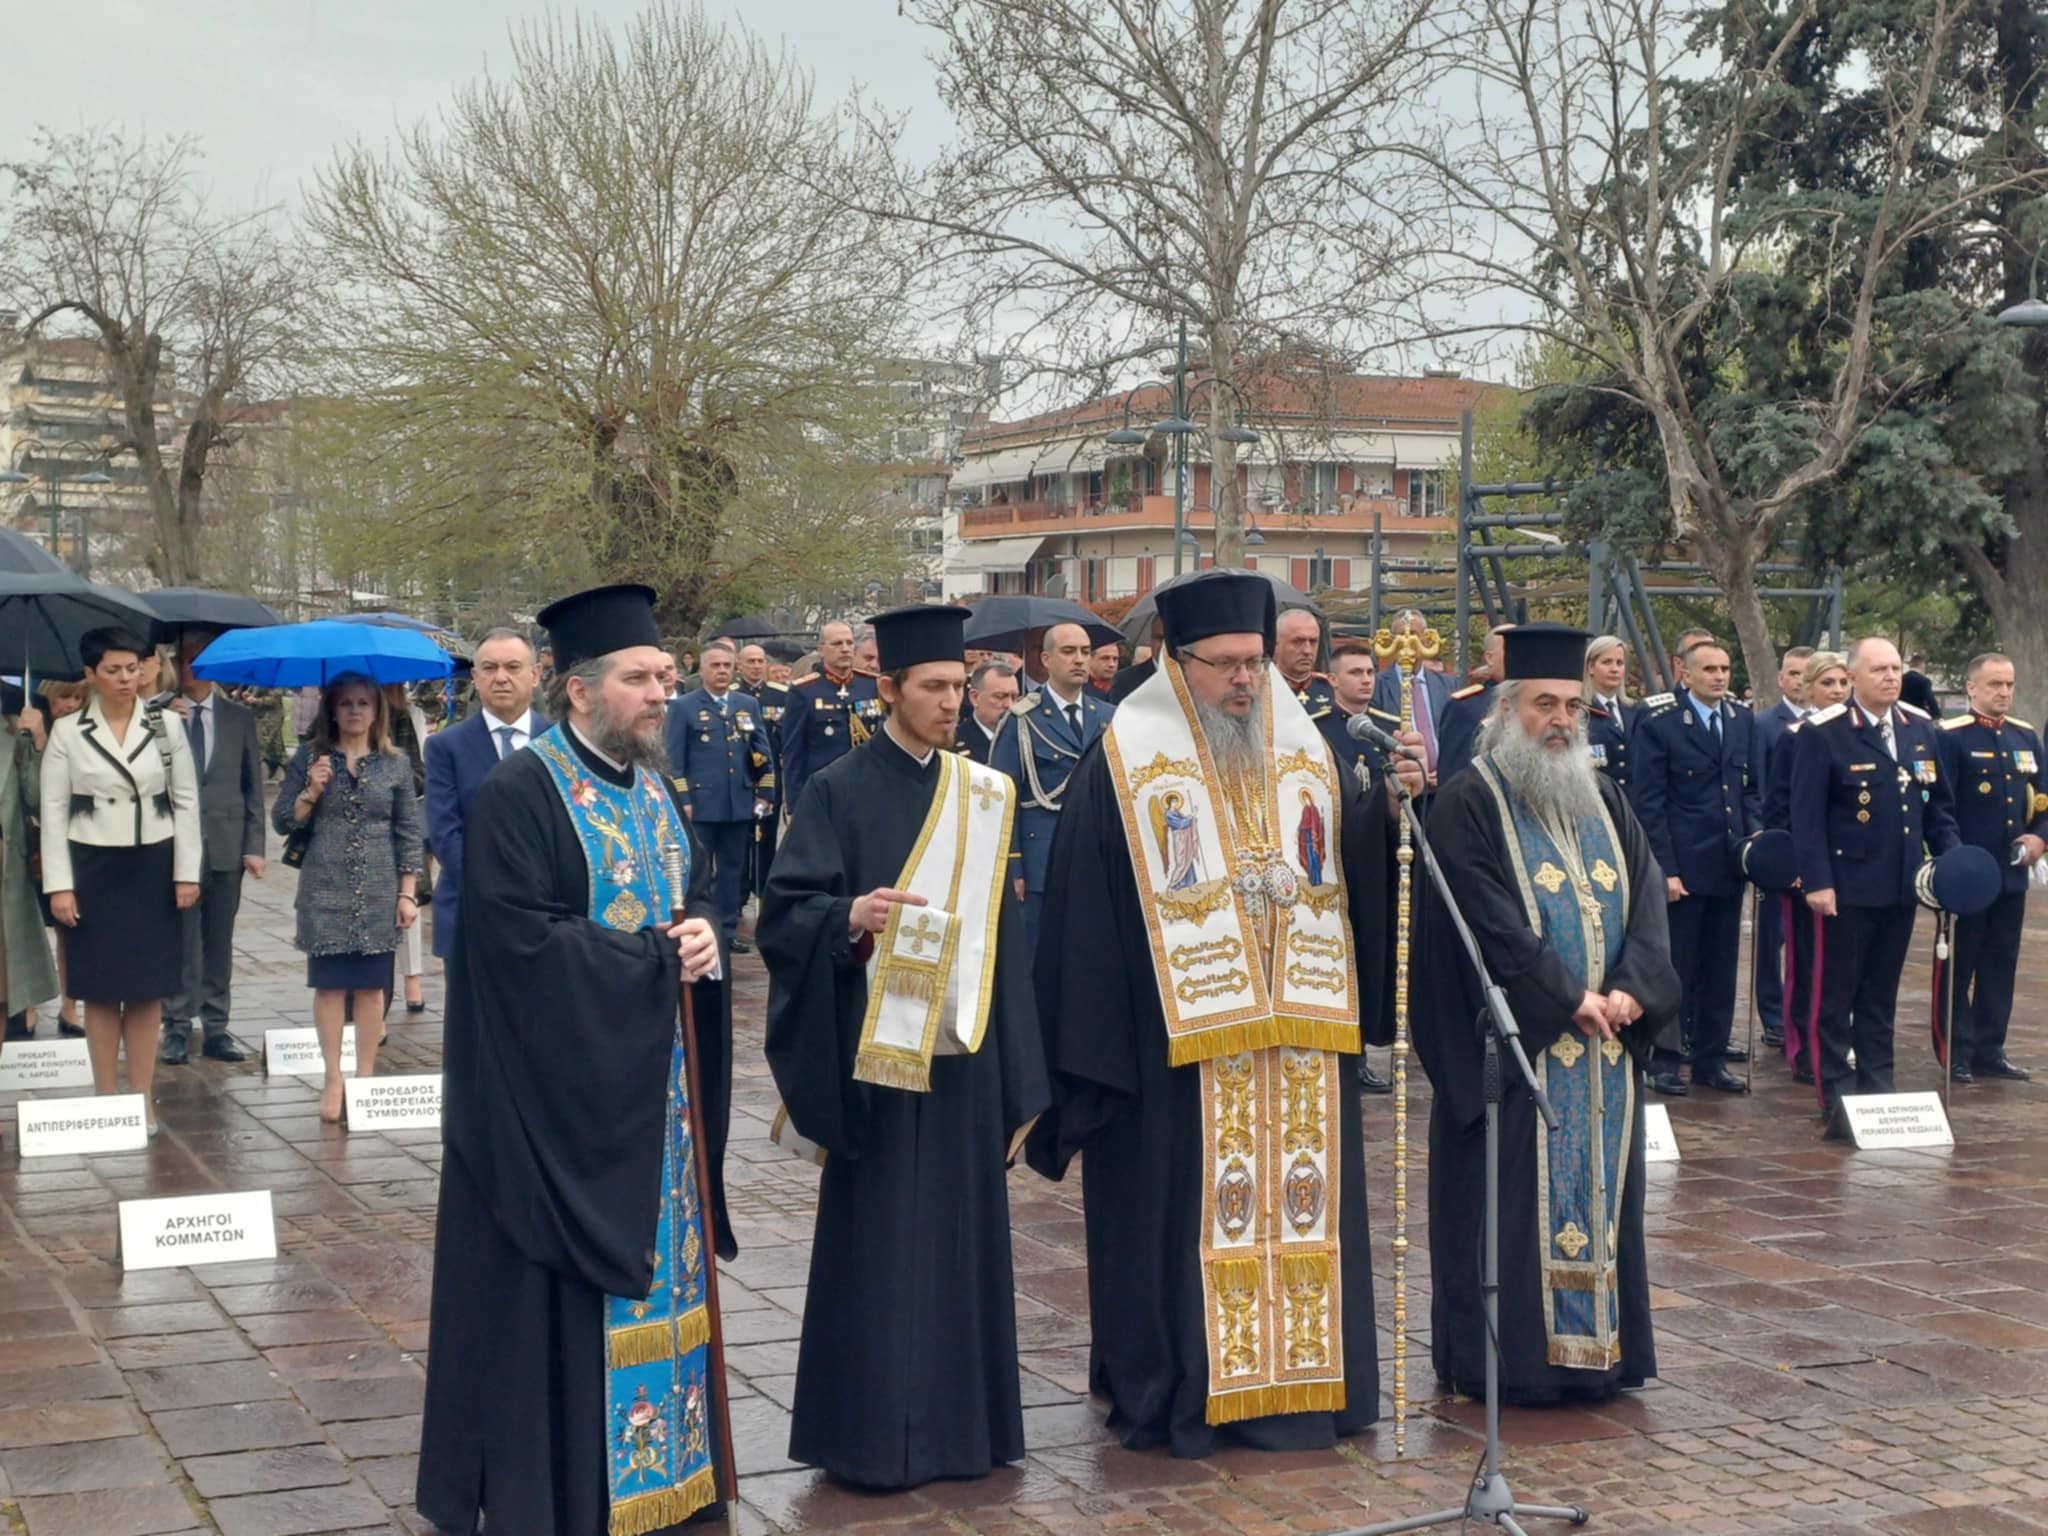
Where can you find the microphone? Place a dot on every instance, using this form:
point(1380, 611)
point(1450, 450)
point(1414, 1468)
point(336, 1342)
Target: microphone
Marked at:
point(1362, 727)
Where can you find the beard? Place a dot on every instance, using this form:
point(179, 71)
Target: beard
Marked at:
point(622, 741)
point(1237, 743)
point(1553, 772)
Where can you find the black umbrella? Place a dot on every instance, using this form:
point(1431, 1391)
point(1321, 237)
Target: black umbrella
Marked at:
point(1137, 626)
point(748, 626)
point(1007, 622)
point(22, 554)
point(44, 616)
point(200, 609)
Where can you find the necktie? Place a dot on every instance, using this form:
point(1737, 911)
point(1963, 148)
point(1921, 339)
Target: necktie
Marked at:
point(1714, 725)
point(721, 703)
point(1425, 725)
point(1617, 715)
point(199, 736)
point(504, 741)
point(1891, 742)
point(1074, 719)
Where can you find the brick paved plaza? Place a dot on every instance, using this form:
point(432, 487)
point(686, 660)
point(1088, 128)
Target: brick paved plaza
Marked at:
point(1850, 1342)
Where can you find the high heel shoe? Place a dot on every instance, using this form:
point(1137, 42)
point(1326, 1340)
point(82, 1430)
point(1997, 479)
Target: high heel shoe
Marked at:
point(333, 1116)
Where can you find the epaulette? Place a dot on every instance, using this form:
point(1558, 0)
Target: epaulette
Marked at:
point(1025, 705)
point(798, 682)
point(1318, 714)
point(1660, 701)
point(2023, 725)
point(1823, 716)
point(864, 672)
point(1957, 722)
point(1393, 720)
point(1914, 710)
point(771, 683)
point(1470, 691)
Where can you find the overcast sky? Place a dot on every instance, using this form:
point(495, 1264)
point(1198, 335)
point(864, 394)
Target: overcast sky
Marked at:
point(270, 86)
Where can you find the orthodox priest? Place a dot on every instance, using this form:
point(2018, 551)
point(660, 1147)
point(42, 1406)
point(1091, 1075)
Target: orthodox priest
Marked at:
point(1214, 928)
point(570, 1390)
point(902, 1036)
point(1557, 880)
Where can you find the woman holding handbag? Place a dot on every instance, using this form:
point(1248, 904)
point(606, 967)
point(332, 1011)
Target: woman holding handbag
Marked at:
point(350, 820)
point(121, 857)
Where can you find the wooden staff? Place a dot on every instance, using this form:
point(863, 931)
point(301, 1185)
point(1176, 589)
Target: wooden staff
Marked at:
point(728, 1478)
point(1405, 650)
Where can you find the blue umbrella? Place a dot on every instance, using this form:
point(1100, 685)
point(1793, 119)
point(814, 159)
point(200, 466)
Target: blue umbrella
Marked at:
point(294, 655)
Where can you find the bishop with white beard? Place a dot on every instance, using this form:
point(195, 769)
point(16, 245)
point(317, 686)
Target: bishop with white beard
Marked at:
point(1557, 880)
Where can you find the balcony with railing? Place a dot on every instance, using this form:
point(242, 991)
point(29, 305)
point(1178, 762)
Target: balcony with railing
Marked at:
point(1139, 513)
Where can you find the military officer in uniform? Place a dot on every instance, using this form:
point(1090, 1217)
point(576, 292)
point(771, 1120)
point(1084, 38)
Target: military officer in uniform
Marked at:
point(1467, 708)
point(774, 699)
point(1298, 639)
point(1994, 763)
point(1869, 803)
point(831, 710)
point(1038, 746)
point(724, 771)
point(1694, 787)
point(1824, 682)
point(1608, 710)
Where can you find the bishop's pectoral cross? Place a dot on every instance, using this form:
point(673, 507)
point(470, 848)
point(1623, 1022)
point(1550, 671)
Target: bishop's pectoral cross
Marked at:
point(925, 932)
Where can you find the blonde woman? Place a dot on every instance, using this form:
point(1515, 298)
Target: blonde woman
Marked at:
point(121, 857)
point(1609, 712)
point(1827, 683)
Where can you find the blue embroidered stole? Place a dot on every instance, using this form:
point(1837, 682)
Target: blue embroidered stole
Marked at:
point(658, 1419)
point(1577, 900)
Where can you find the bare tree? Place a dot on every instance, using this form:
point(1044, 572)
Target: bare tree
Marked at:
point(192, 308)
point(1124, 164)
point(597, 303)
point(1605, 171)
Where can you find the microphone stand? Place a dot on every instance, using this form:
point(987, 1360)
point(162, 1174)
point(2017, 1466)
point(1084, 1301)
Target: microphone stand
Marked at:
point(1490, 1498)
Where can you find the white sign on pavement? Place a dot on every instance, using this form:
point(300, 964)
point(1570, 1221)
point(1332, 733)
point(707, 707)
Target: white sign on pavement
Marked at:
point(394, 1103)
point(197, 1229)
point(28, 1066)
point(1896, 1121)
point(1660, 1143)
point(296, 1052)
point(119, 1122)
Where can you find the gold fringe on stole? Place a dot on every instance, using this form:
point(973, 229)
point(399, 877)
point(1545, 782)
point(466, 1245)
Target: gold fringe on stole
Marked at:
point(1583, 1354)
point(893, 1072)
point(902, 982)
point(1259, 1035)
point(1301, 1397)
point(1235, 1274)
point(1304, 1269)
point(647, 1512)
point(640, 1345)
point(693, 1330)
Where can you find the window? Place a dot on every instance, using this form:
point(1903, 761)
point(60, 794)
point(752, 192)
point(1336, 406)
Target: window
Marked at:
point(1323, 487)
point(1121, 576)
point(1427, 493)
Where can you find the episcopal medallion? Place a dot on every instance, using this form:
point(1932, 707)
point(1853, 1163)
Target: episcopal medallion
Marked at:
point(1236, 1199)
point(1304, 1194)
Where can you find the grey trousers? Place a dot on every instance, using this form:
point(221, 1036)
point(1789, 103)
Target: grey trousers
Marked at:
point(209, 936)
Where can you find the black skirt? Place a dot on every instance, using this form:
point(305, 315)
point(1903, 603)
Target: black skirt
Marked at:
point(349, 973)
point(126, 947)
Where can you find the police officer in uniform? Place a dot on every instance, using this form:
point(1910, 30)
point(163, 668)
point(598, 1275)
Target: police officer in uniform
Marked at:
point(1994, 763)
point(1038, 746)
point(1695, 788)
point(831, 710)
point(1298, 638)
point(1608, 710)
point(1868, 796)
point(774, 699)
point(724, 773)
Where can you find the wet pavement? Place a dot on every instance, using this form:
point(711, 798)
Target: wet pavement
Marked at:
point(1850, 1341)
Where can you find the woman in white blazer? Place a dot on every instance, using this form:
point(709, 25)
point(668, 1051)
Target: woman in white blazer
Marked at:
point(121, 857)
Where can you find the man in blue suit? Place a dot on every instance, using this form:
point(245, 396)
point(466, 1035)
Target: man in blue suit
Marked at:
point(724, 767)
point(1432, 695)
point(458, 759)
point(1038, 746)
point(1695, 789)
point(1771, 726)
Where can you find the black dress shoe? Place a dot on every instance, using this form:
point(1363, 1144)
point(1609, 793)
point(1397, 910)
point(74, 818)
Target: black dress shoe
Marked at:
point(1774, 1038)
point(19, 1031)
point(223, 1048)
point(1961, 1074)
point(742, 947)
point(1671, 1083)
point(173, 1052)
point(70, 1031)
point(1736, 1053)
point(2000, 1067)
point(1370, 1080)
point(1803, 1074)
point(1721, 1079)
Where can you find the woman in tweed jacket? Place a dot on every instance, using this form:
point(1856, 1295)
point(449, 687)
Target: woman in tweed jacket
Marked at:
point(362, 861)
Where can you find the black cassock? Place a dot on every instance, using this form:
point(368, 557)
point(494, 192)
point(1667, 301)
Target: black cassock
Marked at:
point(1465, 830)
point(1137, 1123)
point(555, 1092)
point(908, 1366)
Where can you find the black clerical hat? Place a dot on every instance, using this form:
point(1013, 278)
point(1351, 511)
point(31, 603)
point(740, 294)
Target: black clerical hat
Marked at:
point(600, 621)
point(906, 637)
point(1221, 602)
point(1545, 650)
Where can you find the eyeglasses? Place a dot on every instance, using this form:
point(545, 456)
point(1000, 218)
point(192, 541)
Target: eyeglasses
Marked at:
point(1255, 666)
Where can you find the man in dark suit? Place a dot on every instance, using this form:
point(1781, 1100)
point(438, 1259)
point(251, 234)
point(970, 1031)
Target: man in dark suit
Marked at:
point(991, 690)
point(1771, 726)
point(724, 771)
point(1432, 695)
point(1694, 787)
point(230, 767)
point(459, 757)
point(1466, 709)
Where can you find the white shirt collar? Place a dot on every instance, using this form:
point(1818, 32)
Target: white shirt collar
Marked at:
point(988, 731)
point(610, 762)
point(523, 725)
point(1062, 701)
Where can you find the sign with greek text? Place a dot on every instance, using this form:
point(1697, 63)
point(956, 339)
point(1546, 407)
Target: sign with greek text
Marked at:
point(394, 1103)
point(27, 1066)
point(296, 1052)
point(1660, 1143)
point(1896, 1121)
point(79, 1127)
point(197, 1229)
